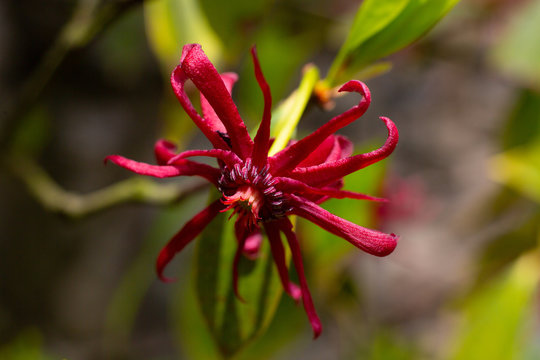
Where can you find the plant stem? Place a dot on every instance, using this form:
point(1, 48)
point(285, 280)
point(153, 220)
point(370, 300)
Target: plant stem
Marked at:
point(56, 199)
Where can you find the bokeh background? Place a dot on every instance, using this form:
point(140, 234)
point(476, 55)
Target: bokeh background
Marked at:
point(82, 80)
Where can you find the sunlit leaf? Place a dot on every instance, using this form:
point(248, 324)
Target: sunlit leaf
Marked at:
point(170, 24)
point(519, 168)
point(517, 51)
point(382, 27)
point(286, 117)
point(496, 318)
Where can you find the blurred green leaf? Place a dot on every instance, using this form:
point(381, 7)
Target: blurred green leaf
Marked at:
point(523, 124)
point(140, 274)
point(519, 168)
point(503, 250)
point(281, 72)
point(233, 324)
point(496, 317)
point(198, 343)
point(517, 51)
point(27, 345)
point(235, 22)
point(170, 24)
point(387, 346)
point(382, 27)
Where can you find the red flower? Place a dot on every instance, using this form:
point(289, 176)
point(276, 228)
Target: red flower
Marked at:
point(261, 189)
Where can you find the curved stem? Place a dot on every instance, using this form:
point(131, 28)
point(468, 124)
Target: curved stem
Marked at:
point(136, 189)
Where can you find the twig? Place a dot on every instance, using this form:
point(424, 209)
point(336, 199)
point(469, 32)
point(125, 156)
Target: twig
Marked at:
point(56, 199)
point(88, 19)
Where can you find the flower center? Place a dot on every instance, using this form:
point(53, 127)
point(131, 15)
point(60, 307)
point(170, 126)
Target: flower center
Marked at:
point(251, 194)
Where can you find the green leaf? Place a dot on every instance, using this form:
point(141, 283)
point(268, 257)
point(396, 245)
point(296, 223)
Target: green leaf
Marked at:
point(523, 124)
point(496, 318)
point(234, 22)
point(232, 323)
point(286, 117)
point(382, 27)
point(170, 24)
point(140, 275)
point(26, 345)
point(517, 51)
point(519, 168)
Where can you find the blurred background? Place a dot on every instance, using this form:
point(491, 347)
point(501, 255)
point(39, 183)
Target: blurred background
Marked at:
point(84, 79)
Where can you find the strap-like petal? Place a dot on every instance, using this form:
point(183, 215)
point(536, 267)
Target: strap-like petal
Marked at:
point(289, 185)
point(228, 157)
point(371, 241)
point(288, 158)
point(286, 226)
point(189, 232)
point(198, 68)
point(331, 171)
point(209, 128)
point(278, 253)
point(208, 112)
point(164, 151)
point(185, 168)
point(262, 139)
point(332, 148)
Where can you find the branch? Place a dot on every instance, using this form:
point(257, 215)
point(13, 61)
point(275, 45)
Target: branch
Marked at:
point(87, 20)
point(54, 198)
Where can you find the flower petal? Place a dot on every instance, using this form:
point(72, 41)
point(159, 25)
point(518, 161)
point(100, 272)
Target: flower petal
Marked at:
point(198, 68)
point(164, 150)
point(189, 232)
point(209, 128)
point(278, 253)
point(286, 226)
point(328, 172)
point(371, 241)
point(291, 185)
point(253, 245)
point(292, 155)
point(262, 139)
point(208, 112)
point(186, 168)
point(228, 157)
point(332, 148)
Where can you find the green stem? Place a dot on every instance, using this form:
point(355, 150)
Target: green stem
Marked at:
point(54, 198)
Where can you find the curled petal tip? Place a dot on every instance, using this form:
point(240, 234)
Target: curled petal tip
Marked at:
point(356, 85)
point(387, 246)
